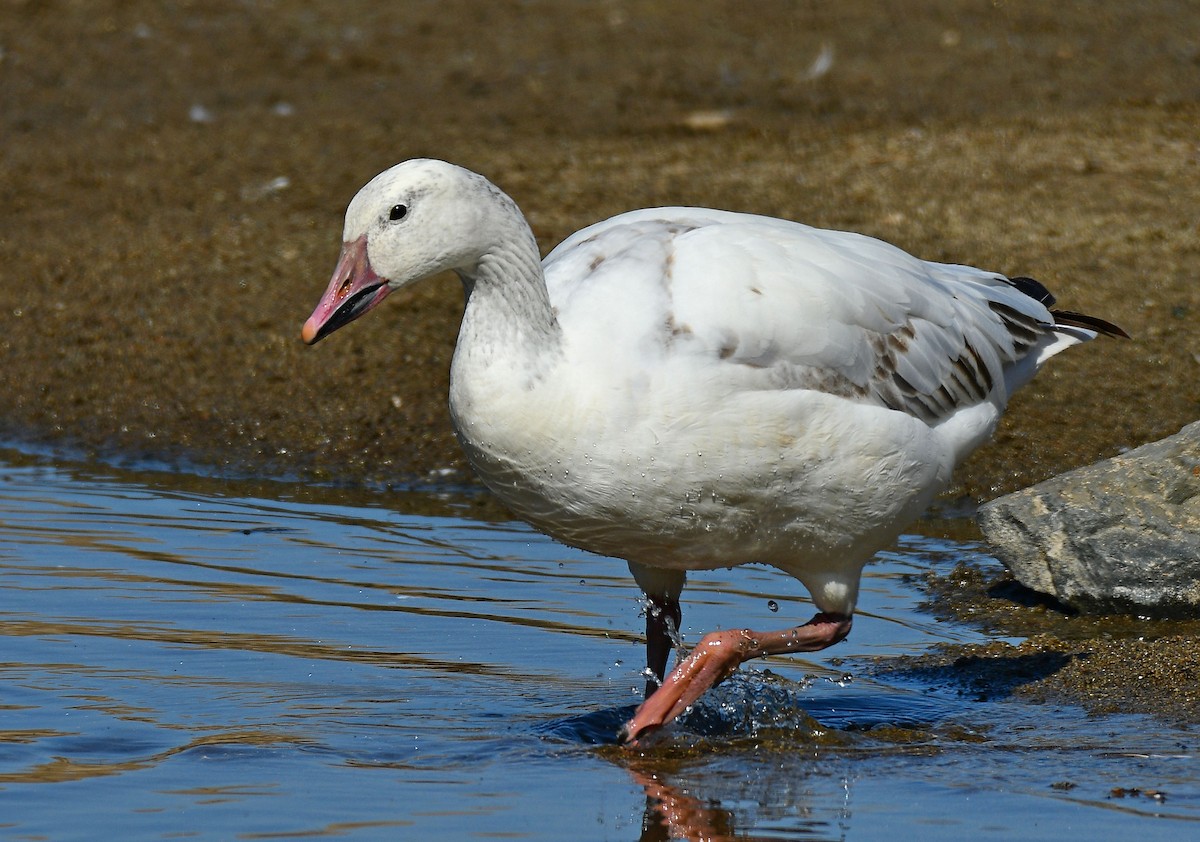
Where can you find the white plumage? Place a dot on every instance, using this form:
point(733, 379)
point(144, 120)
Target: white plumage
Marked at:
point(688, 388)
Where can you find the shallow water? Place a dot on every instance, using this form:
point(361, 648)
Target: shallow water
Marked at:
point(183, 658)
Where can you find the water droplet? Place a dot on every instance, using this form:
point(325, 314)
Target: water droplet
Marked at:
point(772, 605)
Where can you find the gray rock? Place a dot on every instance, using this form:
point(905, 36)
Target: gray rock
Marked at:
point(1122, 535)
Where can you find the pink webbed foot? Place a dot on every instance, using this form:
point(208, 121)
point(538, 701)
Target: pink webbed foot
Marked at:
point(716, 656)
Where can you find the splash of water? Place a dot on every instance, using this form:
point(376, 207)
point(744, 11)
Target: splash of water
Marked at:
point(749, 702)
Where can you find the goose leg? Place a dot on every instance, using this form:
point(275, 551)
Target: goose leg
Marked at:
point(663, 616)
point(716, 656)
point(661, 588)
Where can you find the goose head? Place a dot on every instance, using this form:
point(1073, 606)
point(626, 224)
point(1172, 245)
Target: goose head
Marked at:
point(414, 220)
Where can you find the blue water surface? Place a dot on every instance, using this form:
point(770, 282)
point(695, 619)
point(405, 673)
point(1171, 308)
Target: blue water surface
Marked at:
point(187, 658)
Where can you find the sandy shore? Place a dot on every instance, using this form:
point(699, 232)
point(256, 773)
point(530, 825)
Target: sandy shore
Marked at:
point(174, 177)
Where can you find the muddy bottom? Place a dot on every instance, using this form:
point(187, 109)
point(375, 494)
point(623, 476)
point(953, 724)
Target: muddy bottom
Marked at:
point(173, 186)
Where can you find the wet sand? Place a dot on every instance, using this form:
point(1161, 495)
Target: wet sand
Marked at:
point(1107, 664)
point(174, 178)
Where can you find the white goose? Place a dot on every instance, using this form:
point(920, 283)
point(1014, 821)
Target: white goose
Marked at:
point(689, 389)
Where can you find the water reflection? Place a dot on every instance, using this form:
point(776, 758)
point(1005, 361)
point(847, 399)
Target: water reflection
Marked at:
point(676, 809)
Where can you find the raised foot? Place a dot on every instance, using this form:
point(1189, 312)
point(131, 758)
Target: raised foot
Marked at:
point(716, 656)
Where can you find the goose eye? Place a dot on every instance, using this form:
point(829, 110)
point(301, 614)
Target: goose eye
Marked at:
point(397, 213)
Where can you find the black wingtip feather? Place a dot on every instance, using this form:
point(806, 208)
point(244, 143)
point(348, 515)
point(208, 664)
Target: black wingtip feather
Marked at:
point(1072, 319)
point(1068, 318)
point(1034, 289)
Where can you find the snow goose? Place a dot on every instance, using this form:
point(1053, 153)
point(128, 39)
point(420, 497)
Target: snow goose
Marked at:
point(689, 389)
